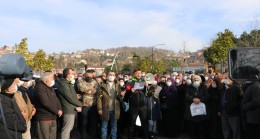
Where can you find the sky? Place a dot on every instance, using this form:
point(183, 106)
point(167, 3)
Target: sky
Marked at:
point(75, 25)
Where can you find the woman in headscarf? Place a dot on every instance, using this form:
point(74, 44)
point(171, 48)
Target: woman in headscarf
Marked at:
point(169, 105)
point(196, 95)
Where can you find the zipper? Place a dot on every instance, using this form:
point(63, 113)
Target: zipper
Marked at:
point(151, 101)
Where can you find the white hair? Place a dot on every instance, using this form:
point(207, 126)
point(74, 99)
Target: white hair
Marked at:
point(46, 76)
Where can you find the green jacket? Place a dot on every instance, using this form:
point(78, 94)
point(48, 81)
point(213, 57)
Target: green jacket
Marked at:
point(68, 97)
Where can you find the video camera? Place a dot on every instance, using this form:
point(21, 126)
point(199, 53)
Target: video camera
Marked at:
point(244, 63)
point(14, 65)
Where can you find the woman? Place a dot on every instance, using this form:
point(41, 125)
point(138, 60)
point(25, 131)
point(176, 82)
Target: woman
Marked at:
point(196, 94)
point(169, 107)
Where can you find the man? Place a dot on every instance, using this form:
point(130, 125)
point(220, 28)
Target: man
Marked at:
point(88, 89)
point(69, 102)
point(251, 104)
point(109, 105)
point(25, 105)
point(48, 107)
point(14, 124)
point(211, 71)
point(136, 92)
point(230, 108)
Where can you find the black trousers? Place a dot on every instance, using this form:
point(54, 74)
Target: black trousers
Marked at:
point(89, 120)
point(134, 112)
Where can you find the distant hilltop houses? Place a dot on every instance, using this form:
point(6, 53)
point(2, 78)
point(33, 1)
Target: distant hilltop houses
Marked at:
point(98, 59)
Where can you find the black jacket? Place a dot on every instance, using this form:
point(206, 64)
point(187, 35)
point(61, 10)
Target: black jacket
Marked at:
point(137, 98)
point(200, 93)
point(47, 104)
point(232, 100)
point(251, 103)
point(13, 117)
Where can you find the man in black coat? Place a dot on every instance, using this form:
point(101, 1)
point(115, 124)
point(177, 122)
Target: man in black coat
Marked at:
point(14, 121)
point(251, 107)
point(135, 93)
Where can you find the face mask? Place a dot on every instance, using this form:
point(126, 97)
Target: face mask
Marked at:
point(213, 85)
point(188, 82)
point(177, 81)
point(143, 74)
point(111, 78)
point(88, 79)
point(15, 89)
point(126, 79)
point(169, 83)
point(80, 78)
point(212, 77)
point(29, 84)
point(174, 77)
point(155, 83)
point(52, 83)
point(122, 83)
point(226, 82)
point(185, 78)
point(206, 78)
point(196, 84)
point(20, 83)
point(72, 79)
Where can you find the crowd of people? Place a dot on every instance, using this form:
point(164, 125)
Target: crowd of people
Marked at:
point(73, 105)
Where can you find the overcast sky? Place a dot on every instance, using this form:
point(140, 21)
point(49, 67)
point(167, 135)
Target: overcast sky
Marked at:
point(72, 25)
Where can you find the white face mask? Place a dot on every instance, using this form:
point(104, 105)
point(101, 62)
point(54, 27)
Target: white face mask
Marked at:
point(168, 83)
point(20, 83)
point(29, 84)
point(188, 82)
point(155, 83)
point(111, 78)
point(80, 78)
point(52, 83)
point(206, 78)
point(177, 81)
point(122, 83)
point(15, 89)
point(185, 78)
point(226, 82)
point(72, 79)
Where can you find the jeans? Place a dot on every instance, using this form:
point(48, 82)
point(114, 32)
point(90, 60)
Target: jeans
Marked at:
point(113, 123)
point(152, 126)
point(67, 126)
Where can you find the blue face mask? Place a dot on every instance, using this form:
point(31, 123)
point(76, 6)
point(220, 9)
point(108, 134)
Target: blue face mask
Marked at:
point(196, 84)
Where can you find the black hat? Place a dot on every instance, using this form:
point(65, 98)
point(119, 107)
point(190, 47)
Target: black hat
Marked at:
point(7, 84)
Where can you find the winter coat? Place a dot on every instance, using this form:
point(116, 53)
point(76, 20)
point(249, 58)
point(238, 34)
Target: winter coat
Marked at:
point(68, 97)
point(136, 98)
point(251, 103)
point(24, 93)
point(13, 118)
point(46, 104)
point(153, 109)
point(232, 101)
point(103, 100)
point(199, 93)
point(88, 92)
point(169, 97)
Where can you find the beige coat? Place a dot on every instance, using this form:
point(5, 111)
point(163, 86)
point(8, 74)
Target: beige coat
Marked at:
point(26, 109)
point(104, 100)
